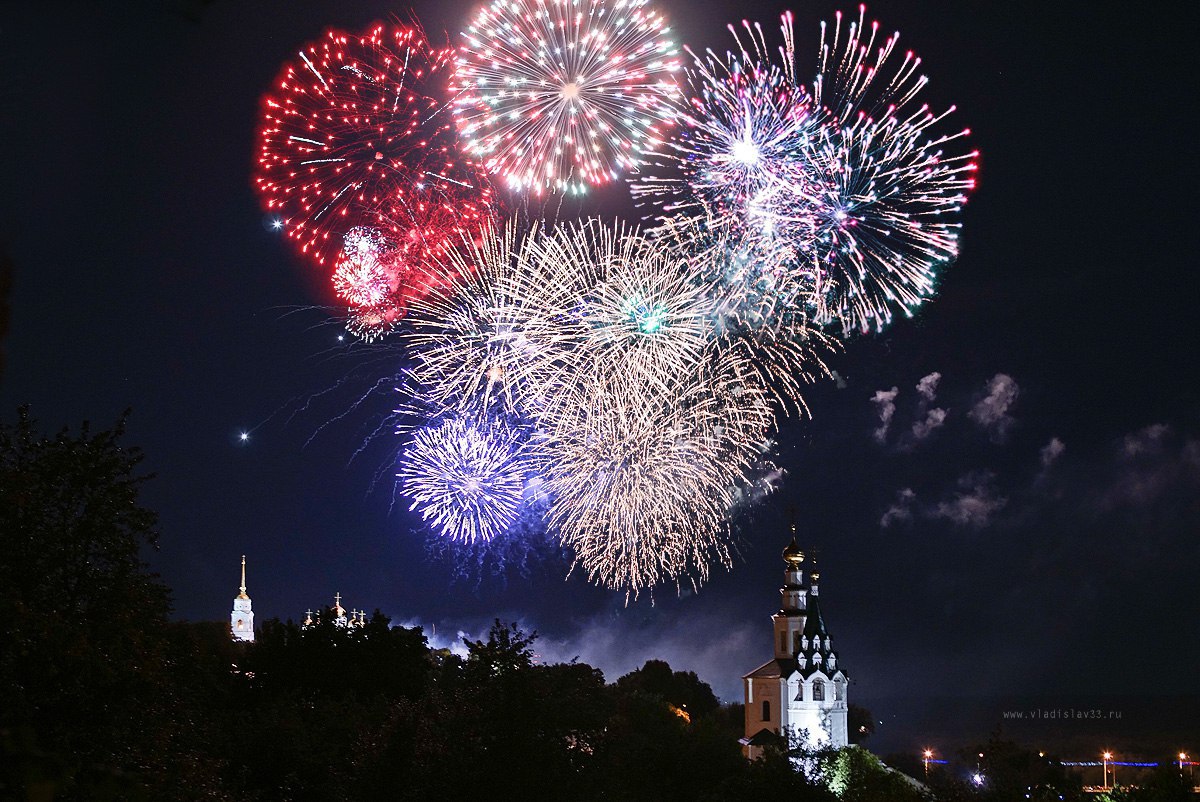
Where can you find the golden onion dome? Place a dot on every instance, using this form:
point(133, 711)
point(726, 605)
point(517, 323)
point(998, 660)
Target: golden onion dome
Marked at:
point(792, 555)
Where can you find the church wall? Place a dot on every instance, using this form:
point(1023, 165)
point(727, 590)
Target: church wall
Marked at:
point(757, 691)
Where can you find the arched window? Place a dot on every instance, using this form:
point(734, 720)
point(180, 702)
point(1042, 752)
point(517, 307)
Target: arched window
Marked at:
point(766, 710)
point(818, 691)
point(839, 691)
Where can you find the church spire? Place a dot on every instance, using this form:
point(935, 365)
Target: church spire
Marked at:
point(241, 620)
point(243, 595)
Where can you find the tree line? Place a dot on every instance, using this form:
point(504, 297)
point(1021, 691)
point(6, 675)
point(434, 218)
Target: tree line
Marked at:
point(103, 696)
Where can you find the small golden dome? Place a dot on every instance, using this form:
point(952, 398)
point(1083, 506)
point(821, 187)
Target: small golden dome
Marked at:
point(792, 555)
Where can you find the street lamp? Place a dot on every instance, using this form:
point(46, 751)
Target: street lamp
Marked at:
point(1108, 757)
point(928, 753)
point(1182, 757)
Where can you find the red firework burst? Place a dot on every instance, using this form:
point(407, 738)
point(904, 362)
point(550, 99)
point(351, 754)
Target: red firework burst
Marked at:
point(357, 131)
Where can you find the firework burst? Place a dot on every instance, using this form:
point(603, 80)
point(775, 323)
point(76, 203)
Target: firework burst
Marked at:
point(626, 307)
point(491, 342)
point(468, 479)
point(609, 389)
point(361, 276)
point(738, 144)
point(758, 304)
point(562, 95)
point(355, 132)
point(642, 477)
point(889, 214)
point(845, 186)
point(369, 323)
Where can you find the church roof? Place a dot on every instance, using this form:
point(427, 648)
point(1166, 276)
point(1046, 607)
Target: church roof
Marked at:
point(772, 668)
point(814, 624)
point(807, 673)
point(764, 737)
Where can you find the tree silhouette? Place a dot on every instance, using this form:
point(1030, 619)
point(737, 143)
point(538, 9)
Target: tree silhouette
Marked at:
point(82, 660)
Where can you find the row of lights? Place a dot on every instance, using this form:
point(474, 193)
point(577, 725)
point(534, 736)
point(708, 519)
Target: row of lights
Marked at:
point(977, 777)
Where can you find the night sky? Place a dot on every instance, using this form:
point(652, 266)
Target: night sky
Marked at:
point(1026, 530)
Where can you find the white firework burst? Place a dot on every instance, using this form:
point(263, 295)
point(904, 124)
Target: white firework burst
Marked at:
point(562, 95)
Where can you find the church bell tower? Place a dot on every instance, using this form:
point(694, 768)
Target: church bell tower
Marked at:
point(241, 620)
point(800, 694)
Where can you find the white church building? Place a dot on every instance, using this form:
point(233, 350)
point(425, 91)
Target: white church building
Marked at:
point(801, 692)
point(241, 620)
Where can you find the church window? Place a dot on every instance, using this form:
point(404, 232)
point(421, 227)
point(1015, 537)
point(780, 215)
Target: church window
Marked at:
point(839, 691)
point(766, 711)
point(795, 642)
point(818, 691)
point(783, 641)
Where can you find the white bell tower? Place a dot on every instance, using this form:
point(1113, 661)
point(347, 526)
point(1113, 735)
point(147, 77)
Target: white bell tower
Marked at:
point(241, 620)
point(802, 690)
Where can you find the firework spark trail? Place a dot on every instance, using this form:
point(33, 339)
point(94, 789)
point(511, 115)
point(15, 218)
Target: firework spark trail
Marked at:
point(736, 141)
point(846, 181)
point(758, 305)
point(654, 419)
point(643, 477)
point(563, 95)
point(627, 308)
point(349, 134)
point(889, 217)
point(492, 341)
point(614, 386)
point(467, 478)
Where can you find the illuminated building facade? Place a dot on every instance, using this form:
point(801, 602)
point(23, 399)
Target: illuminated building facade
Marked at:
point(340, 617)
point(801, 692)
point(241, 620)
